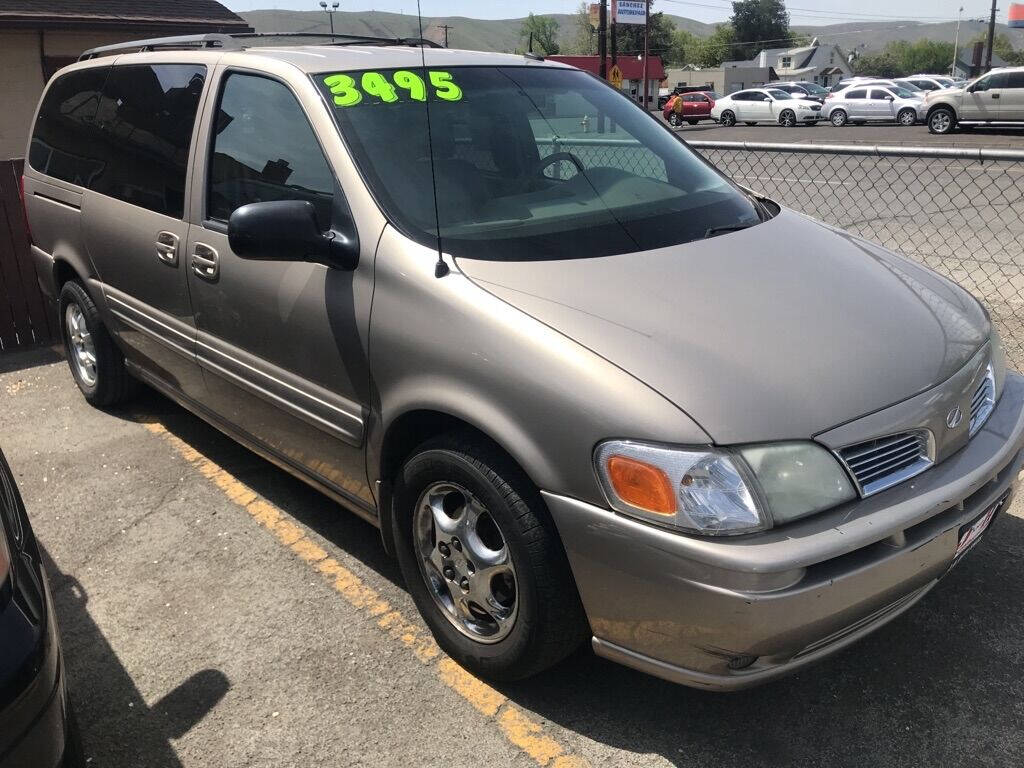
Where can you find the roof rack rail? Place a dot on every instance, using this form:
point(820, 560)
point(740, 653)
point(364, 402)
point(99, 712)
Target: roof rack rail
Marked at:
point(234, 42)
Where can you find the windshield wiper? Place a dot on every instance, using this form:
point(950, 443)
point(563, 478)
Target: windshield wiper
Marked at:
point(725, 228)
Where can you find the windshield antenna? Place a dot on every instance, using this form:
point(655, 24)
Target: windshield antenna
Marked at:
point(440, 268)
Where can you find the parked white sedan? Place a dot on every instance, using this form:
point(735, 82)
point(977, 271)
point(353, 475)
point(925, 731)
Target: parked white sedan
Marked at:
point(872, 102)
point(765, 105)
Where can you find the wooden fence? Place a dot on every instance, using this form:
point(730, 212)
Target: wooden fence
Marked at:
point(26, 319)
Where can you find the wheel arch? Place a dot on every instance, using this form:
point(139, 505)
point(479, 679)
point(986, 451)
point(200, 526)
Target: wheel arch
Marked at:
point(414, 426)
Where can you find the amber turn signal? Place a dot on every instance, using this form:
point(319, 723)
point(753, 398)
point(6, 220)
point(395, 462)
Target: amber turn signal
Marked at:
point(641, 485)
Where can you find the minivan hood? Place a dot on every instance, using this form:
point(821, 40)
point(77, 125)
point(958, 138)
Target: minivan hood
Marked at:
point(776, 332)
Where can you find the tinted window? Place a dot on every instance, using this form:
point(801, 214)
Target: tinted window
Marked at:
point(997, 80)
point(146, 118)
point(744, 96)
point(859, 94)
point(64, 140)
point(527, 163)
point(1014, 80)
point(777, 94)
point(265, 149)
point(877, 94)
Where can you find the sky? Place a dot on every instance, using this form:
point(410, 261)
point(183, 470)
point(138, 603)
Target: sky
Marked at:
point(802, 12)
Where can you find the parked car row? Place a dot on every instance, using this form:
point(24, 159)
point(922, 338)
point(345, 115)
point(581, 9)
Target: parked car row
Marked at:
point(996, 98)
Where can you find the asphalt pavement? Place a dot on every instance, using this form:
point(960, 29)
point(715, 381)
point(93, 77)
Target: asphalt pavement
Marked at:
point(873, 133)
point(216, 612)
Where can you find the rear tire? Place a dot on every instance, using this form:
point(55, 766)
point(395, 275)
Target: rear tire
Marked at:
point(673, 120)
point(728, 118)
point(838, 117)
point(96, 363)
point(906, 117)
point(941, 121)
point(527, 615)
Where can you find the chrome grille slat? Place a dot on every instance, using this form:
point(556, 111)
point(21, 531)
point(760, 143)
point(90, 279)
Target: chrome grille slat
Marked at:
point(895, 463)
point(858, 464)
point(983, 401)
point(873, 446)
point(883, 462)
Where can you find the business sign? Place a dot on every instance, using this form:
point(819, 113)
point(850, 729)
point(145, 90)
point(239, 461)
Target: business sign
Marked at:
point(630, 12)
point(1016, 15)
point(595, 15)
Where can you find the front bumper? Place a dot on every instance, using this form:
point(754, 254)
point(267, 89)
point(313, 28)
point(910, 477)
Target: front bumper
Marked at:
point(729, 613)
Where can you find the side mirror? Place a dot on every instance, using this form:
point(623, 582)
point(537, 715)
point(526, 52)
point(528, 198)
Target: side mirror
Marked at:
point(889, 98)
point(287, 230)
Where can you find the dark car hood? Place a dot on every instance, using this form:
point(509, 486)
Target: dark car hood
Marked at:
point(780, 331)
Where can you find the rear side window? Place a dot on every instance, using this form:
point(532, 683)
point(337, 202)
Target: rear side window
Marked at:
point(146, 118)
point(857, 94)
point(264, 149)
point(64, 140)
point(1014, 80)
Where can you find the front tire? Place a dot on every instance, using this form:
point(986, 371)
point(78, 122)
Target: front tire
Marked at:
point(96, 363)
point(728, 118)
point(838, 117)
point(483, 561)
point(787, 119)
point(941, 121)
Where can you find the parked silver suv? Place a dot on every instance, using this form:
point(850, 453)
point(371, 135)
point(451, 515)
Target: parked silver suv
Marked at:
point(586, 386)
point(996, 98)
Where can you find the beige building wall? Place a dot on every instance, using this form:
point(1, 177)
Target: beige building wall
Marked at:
point(674, 77)
point(22, 78)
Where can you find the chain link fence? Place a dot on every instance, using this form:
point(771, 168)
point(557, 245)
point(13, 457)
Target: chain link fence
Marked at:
point(959, 211)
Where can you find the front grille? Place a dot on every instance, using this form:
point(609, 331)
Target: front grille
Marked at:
point(984, 400)
point(882, 463)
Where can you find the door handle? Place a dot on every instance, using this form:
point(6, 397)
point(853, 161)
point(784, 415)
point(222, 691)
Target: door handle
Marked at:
point(995, 95)
point(205, 262)
point(167, 248)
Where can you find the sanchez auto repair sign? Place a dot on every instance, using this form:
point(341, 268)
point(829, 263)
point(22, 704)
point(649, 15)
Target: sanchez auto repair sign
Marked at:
point(630, 12)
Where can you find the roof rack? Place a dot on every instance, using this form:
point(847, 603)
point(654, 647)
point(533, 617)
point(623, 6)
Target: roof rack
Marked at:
point(234, 42)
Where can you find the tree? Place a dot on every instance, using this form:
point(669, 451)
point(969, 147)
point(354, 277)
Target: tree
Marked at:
point(900, 58)
point(759, 24)
point(1002, 46)
point(544, 30)
point(584, 38)
point(711, 51)
point(630, 37)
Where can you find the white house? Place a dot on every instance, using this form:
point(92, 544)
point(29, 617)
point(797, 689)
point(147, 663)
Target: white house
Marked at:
point(821, 64)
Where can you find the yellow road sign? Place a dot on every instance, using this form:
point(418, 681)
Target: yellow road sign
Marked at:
point(615, 76)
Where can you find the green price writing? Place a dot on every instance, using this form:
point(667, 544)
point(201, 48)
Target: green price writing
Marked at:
point(403, 84)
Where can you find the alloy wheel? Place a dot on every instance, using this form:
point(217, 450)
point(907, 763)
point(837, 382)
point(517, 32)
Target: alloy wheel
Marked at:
point(83, 350)
point(464, 560)
point(906, 117)
point(788, 119)
point(941, 122)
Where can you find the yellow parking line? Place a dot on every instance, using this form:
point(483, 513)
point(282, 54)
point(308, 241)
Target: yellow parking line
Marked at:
point(517, 726)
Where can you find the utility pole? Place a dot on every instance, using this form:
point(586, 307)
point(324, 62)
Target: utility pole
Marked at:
point(956, 41)
point(991, 34)
point(615, 41)
point(445, 27)
point(602, 40)
point(646, 50)
point(330, 12)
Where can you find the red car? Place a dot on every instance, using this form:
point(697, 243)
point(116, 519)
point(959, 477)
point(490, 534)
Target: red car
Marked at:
point(696, 106)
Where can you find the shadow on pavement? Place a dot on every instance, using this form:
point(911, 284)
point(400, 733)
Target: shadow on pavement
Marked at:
point(941, 685)
point(118, 728)
point(29, 358)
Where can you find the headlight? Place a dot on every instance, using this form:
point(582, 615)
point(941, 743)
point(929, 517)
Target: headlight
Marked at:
point(720, 492)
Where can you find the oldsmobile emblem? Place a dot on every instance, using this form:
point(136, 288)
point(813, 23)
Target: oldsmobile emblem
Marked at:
point(954, 417)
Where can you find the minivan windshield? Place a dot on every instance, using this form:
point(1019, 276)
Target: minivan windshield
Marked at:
point(527, 162)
